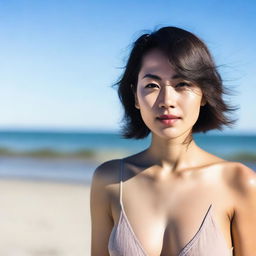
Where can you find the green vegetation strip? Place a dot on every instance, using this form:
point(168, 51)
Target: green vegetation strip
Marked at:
point(92, 154)
point(49, 153)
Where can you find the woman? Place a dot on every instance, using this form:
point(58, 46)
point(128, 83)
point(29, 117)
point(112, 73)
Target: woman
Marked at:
point(173, 198)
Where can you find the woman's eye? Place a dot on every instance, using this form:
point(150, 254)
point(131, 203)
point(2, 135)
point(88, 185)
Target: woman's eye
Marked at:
point(182, 84)
point(149, 85)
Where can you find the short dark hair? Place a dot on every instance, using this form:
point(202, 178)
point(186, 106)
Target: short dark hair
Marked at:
point(192, 61)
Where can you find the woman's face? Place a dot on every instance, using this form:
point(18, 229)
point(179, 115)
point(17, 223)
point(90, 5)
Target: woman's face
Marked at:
point(161, 92)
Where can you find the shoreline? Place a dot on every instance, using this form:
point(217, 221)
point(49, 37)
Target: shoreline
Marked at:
point(55, 170)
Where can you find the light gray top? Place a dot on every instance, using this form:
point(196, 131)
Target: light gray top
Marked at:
point(208, 240)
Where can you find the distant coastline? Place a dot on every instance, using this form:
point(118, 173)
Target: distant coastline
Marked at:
point(98, 146)
point(73, 156)
point(90, 154)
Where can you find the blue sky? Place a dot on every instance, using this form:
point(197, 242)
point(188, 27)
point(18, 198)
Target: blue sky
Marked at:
point(59, 58)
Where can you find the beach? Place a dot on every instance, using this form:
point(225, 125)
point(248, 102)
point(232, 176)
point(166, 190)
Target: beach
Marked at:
point(45, 185)
point(44, 218)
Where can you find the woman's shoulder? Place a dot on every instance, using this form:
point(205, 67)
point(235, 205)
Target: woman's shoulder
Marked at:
point(234, 175)
point(240, 175)
point(106, 172)
point(237, 171)
point(232, 171)
point(240, 181)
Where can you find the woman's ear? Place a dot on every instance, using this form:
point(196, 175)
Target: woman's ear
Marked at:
point(136, 101)
point(135, 97)
point(203, 101)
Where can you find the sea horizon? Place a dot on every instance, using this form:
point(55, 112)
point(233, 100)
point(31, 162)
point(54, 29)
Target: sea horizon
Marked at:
point(73, 156)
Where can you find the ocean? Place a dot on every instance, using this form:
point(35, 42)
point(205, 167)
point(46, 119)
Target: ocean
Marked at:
point(73, 156)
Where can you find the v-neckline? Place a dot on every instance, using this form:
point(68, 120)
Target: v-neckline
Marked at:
point(184, 249)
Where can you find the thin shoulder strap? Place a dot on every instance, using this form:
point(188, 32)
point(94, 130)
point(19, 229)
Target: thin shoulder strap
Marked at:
point(121, 181)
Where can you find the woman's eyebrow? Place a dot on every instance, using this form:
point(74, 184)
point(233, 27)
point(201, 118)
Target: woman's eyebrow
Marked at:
point(176, 76)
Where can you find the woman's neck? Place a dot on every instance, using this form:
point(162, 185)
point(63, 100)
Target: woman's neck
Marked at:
point(172, 154)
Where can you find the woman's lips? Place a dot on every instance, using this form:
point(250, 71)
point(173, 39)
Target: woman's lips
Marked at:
point(168, 116)
point(168, 121)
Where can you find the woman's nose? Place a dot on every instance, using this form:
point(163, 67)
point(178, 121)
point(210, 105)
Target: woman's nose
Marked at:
point(167, 97)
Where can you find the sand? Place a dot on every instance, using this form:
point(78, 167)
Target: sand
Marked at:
point(42, 218)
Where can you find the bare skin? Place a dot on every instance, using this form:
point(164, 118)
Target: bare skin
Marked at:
point(168, 187)
point(173, 205)
point(165, 213)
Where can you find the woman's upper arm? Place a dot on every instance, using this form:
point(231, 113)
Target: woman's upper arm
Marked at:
point(244, 219)
point(101, 218)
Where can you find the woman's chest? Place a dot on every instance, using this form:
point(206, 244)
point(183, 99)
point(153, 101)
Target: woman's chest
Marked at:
point(169, 221)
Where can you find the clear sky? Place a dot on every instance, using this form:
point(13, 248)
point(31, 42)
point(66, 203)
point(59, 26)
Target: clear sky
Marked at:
point(59, 58)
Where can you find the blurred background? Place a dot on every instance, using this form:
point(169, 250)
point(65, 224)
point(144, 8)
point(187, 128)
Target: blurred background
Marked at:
point(60, 117)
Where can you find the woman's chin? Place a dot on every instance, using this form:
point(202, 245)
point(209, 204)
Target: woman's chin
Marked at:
point(171, 133)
